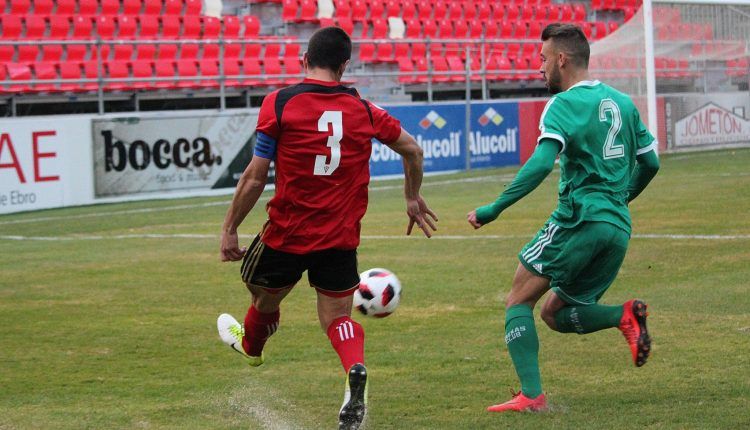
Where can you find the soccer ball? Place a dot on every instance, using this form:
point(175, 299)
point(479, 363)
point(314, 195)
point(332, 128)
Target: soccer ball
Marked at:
point(379, 293)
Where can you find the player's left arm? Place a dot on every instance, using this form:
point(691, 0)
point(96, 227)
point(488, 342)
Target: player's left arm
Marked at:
point(647, 160)
point(533, 172)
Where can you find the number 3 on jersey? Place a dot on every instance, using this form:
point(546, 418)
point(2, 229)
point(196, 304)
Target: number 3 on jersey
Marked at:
point(610, 149)
point(332, 117)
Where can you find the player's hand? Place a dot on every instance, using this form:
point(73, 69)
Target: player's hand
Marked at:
point(472, 218)
point(230, 250)
point(421, 215)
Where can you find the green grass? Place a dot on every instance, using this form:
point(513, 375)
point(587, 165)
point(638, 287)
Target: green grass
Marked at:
point(120, 333)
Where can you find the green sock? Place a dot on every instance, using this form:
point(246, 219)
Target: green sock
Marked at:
point(523, 346)
point(588, 318)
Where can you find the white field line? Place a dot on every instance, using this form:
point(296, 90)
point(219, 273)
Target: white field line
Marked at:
point(372, 237)
point(226, 202)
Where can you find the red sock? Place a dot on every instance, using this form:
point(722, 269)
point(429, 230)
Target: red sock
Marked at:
point(258, 328)
point(348, 339)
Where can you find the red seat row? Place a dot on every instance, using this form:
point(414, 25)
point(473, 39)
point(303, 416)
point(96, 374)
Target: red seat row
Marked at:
point(101, 7)
point(124, 27)
point(150, 74)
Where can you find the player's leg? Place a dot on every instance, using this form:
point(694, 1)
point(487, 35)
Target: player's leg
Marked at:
point(269, 275)
point(522, 340)
point(334, 275)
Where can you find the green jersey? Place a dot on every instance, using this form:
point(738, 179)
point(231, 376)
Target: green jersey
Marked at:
point(601, 133)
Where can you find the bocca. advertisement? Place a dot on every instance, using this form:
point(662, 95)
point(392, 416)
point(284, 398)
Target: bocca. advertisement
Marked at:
point(138, 155)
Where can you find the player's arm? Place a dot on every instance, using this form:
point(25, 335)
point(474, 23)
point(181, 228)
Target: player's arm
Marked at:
point(647, 164)
point(249, 189)
point(533, 172)
point(416, 208)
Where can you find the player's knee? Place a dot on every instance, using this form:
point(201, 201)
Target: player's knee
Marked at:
point(549, 318)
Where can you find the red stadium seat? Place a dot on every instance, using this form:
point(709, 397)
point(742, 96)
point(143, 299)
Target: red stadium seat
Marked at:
point(173, 7)
point(251, 68)
point(189, 51)
point(231, 72)
point(131, 7)
point(512, 13)
point(456, 65)
point(193, 7)
point(92, 72)
point(187, 69)
point(232, 50)
point(145, 52)
point(293, 66)
point(27, 53)
point(439, 10)
point(59, 27)
point(252, 50)
point(392, 8)
point(231, 27)
point(122, 52)
point(105, 27)
point(342, 9)
point(68, 7)
point(540, 13)
point(166, 52)
point(35, 27)
point(149, 26)
point(85, 7)
point(11, 26)
point(566, 12)
point(170, 27)
point(52, 53)
point(406, 69)
point(429, 29)
point(191, 27)
point(272, 69)
point(359, 10)
point(141, 69)
point(70, 70)
point(289, 10)
point(308, 11)
point(44, 72)
point(126, 27)
point(82, 28)
point(421, 67)
point(211, 27)
point(366, 52)
point(409, 11)
point(376, 7)
point(18, 72)
point(152, 7)
point(440, 67)
point(78, 52)
point(209, 73)
point(116, 71)
point(6, 54)
point(20, 7)
point(110, 7)
point(210, 50)
point(164, 70)
point(384, 52)
point(252, 26)
point(579, 12)
point(43, 7)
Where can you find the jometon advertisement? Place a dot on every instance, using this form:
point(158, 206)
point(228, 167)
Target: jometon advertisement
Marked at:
point(707, 120)
point(134, 155)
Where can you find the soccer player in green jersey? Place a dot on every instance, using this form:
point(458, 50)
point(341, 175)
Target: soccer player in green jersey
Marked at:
point(607, 157)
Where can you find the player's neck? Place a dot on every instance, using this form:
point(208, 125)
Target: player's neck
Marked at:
point(323, 75)
point(575, 77)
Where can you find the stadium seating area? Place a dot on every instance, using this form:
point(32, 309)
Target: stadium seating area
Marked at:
point(138, 45)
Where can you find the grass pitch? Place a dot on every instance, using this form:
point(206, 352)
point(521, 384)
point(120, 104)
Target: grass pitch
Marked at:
point(108, 316)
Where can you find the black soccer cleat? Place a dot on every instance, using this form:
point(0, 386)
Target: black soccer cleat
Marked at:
point(354, 408)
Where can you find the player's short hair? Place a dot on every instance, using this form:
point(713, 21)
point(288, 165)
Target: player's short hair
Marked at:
point(569, 38)
point(329, 48)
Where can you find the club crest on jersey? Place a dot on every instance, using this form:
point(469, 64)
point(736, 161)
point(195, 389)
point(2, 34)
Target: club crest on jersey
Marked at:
point(431, 119)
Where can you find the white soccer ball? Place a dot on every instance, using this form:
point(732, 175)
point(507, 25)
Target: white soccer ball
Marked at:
point(379, 293)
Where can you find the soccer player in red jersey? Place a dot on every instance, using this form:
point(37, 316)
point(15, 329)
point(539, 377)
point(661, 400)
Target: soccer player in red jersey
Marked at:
point(318, 133)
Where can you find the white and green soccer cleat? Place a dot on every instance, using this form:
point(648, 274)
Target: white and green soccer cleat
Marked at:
point(231, 333)
point(354, 408)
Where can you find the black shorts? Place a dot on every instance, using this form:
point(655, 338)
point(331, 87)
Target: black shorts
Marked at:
point(333, 272)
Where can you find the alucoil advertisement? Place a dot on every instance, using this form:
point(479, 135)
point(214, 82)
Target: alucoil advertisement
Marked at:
point(440, 130)
point(134, 155)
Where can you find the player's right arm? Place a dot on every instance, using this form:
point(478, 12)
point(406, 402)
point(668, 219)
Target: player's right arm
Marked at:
point(249, 189)
point(253, 180)
point(533, 172)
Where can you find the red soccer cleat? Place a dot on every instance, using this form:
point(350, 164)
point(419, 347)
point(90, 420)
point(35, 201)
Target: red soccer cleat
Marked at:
point(633, 327)
point(521, 403)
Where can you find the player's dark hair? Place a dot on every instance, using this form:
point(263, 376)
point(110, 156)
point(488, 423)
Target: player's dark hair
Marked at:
point(569, 38)
point(329, 48)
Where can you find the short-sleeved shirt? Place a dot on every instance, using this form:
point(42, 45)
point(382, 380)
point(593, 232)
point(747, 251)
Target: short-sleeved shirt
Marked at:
point(322, 135)
point(600, 133)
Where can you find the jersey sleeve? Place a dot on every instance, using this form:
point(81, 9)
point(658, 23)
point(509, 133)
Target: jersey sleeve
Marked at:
point(387, 128)
point(551, 123)
point(268, 124)
point(645, 141)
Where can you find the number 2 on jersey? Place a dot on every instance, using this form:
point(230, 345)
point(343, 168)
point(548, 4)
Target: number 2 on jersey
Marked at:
point(610, 149)
point(332, 117)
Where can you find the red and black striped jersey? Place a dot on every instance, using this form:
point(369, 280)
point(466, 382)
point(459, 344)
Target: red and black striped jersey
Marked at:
point(322, 133)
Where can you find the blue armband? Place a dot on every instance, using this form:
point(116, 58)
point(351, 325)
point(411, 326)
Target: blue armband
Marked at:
point(265, 146)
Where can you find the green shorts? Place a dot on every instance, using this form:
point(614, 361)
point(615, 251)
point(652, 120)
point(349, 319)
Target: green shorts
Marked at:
point(581, 262)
